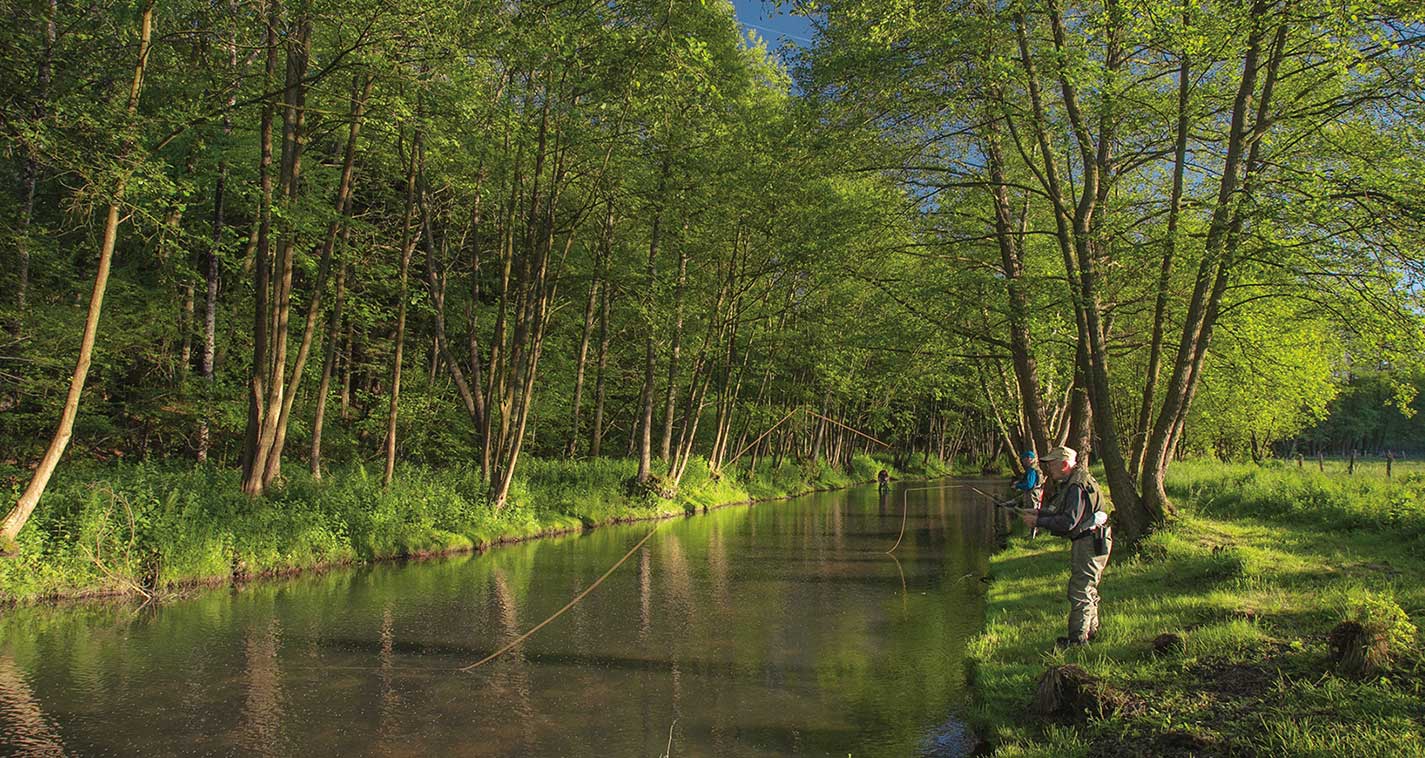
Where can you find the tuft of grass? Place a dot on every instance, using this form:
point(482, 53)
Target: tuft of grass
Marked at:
point(1261, 563)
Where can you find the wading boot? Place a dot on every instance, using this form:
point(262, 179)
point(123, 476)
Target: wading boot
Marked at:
point(1061, 643)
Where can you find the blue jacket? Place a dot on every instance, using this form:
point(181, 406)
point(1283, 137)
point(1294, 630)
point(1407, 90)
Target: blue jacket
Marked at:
point(1030, 482)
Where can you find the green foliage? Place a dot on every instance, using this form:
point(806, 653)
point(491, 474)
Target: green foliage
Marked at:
point(1280, 361)
point(1375, 410)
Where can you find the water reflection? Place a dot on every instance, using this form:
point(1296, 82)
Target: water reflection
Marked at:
point(26, 726)
point(262, 712)
point(778, 629)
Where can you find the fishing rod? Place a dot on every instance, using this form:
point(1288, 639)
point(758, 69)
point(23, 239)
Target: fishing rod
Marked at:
point(1008, 505)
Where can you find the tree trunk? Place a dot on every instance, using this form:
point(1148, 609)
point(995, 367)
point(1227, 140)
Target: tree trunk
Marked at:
point(596, 435)
point(328, 363)
point(293, 142)
point(1026, 370)
point(408, 246)
point(1219, 247)
point(1080, 436)
point(253, 451)
point(30, 180)
point(572, 448)
point(15, 520)
point(650, 368)
point(671, 395)
point(470, 395)
point(346, 369)
point(212, 277)
point(1160, 305)
point(359, 94)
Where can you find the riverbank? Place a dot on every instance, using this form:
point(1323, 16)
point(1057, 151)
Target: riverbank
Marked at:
point(1252, 578)
point(139, 529)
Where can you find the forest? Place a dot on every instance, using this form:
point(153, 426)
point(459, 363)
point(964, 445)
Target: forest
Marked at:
point(277, 241)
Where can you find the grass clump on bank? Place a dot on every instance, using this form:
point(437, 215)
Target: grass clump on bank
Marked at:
point(1222, 630)
point(151, 527)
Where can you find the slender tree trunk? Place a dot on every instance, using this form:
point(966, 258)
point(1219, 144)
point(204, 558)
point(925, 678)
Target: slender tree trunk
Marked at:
point(408, 246)
point(328, 362)
point(1026, 370)
point(293, 142)
point(1219, 246)
point(252, 458)
point(1160, 305)
point(669, 402)
point(596, 435)
point(540, 287)
point(359, 93)
point(650, 368)
point(495, 378)
point(185, 320)
point(212, 277)
point(433, 365)
point(572, 448)
point(474, 407)
point(212, 274)
point(15, 520)
point(346, 369)
point(580, 358)
point(30, 180)
point(1080, 408)
point(266, 467)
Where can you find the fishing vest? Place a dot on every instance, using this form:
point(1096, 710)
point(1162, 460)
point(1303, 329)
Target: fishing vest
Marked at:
point(1092, 491)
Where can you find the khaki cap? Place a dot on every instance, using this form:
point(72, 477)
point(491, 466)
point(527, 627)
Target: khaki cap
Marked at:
point(1060, 453)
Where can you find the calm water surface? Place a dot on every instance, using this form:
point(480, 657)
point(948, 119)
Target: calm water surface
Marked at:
point(777, 629)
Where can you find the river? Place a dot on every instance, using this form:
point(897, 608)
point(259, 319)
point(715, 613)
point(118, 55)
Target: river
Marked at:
point(781, 628)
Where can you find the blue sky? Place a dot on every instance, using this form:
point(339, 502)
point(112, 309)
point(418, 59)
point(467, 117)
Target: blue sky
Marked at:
point(775, 26)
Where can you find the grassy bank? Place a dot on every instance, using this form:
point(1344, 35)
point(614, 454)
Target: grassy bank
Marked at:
point(141, 528)
point(1254, 575)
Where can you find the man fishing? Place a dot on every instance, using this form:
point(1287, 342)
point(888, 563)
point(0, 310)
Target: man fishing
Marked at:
point(1032, 483)
point(1076, 512)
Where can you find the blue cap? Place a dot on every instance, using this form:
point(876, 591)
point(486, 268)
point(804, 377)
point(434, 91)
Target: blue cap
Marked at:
point(1028, 454)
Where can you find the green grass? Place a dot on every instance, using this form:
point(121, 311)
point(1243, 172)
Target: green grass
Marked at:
point(1260, 565)
point(129, 528)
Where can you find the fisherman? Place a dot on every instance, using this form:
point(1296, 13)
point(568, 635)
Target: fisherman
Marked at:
point(1032, 483)
point(884, 480)
point(1076, 512)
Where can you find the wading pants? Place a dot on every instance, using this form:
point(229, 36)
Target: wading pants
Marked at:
point(1085, 571)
